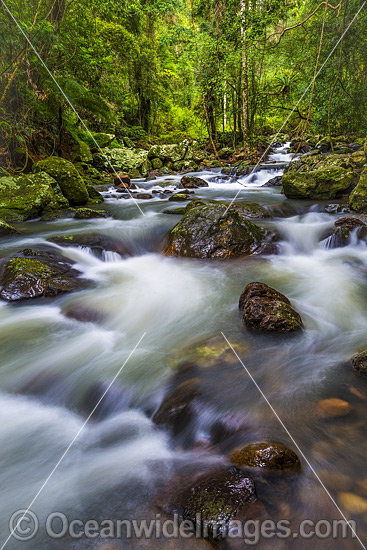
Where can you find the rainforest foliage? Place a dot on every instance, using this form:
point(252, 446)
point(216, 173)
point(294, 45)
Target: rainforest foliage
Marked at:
point(223, 70)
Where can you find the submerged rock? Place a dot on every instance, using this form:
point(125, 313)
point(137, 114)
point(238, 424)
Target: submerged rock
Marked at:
point(191, 182)
point(176, 410)
point(265, 309)
point(266, 455)
point(67, 176)
point(333, 407)
point(217, 498)
point(37, 274)
point(216, 231)
point(359, 362)
point(353, 504)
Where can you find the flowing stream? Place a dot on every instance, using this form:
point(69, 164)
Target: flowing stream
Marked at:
point(51, 363)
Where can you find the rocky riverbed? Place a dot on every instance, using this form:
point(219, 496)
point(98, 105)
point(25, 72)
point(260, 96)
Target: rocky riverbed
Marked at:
point(94, 257)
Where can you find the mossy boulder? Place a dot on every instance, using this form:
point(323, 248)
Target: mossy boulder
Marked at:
point(173, 153)
point(6, 230)
point(146, 167)
point(156, 163)
point(121, 159)
point(26, 197)
point(67, 176)
point(265, 309)
point(88, 214)
point(102, 139)
point(183, 165)
point(265, 455)
point(216, 231)
point(328, 183)
point(80, 152)
point(358, 197)
point(217, 498)
point(36, 274)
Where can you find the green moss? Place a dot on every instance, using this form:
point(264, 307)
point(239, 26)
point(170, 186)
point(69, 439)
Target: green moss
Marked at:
point(67, 176)
point(26, 197)
point(6, 229)
point(30, 267)
point(358, 197)
point(327, 183)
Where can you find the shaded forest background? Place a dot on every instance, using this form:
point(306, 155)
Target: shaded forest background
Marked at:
point(225, 71)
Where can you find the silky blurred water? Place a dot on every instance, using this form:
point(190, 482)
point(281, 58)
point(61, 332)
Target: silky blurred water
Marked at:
point(50, 362)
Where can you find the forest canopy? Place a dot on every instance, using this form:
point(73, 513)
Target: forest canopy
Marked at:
point(171, 69)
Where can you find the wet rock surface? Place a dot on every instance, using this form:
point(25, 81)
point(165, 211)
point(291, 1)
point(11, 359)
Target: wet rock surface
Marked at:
point(6, 230)
point(191, 182)
point(97, 242)
point(177, 408)
point(265, 309)
point(266, 455)
point(217, 497)
point(34, 274)
point(216, 231)
point(359, 362)
point(347, 228)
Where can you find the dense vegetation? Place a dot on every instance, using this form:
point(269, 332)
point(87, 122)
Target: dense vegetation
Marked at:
point(222, 70)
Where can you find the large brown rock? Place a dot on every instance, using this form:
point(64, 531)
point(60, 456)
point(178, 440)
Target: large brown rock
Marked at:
point(266, 455)
point(265, 309)
point(216, 231)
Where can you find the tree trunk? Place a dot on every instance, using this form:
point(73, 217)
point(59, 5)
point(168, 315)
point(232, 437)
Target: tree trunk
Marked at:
point(244, 76)
point(225, 106)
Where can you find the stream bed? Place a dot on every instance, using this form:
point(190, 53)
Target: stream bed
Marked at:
point(52, 365)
